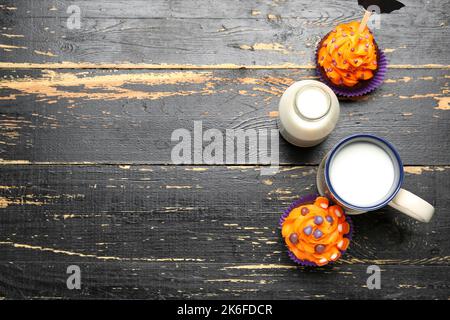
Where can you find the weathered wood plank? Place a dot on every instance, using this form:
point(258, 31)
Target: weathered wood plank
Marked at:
point(182, 214)
point(202, 231)
point(215, 9)
point(210, 32)
point(140, 280)
point(128, 116)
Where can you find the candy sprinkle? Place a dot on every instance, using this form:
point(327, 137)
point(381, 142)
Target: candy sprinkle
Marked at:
point(307, 230)
point(318, 234)
point(320, 248)
point(293, 238)
point(304, 211)
point(318, 220)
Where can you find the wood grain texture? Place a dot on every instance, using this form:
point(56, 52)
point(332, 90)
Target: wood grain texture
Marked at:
point(138, 280)
point(194, 32)
point(168, 231)
point(86, 118)
point(110, 116)
point(210, 214)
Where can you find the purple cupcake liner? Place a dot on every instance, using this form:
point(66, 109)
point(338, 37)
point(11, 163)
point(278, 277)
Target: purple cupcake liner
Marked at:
point(366, 88)
point(309, 199)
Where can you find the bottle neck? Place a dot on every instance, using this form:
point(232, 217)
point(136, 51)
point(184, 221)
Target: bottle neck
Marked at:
point(312, 103)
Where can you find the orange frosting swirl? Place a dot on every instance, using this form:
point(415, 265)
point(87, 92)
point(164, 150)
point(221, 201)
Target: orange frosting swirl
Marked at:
point(315, 232)
point(347, 56)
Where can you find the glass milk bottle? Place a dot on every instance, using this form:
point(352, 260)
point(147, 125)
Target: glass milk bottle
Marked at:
point(307, 113)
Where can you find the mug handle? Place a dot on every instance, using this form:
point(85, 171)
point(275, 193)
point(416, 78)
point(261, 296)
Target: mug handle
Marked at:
point(412, 205)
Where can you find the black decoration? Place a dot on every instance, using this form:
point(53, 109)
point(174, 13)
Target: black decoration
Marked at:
point(386, 6)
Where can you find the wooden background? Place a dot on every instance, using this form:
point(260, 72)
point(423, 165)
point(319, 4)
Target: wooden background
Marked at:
point(86, 118)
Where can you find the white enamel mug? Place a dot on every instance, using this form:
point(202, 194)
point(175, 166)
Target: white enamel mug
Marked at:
point(340, 173)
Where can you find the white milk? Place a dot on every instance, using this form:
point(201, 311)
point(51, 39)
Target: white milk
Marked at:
point(312, 102)
point(362, 173)
point(307, 113)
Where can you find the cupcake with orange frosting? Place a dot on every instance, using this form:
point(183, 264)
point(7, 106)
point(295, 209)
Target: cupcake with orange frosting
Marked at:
point(315, 232)
point(349, 61)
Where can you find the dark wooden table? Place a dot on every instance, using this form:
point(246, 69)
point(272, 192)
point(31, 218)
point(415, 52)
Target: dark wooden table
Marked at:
point(85, 142)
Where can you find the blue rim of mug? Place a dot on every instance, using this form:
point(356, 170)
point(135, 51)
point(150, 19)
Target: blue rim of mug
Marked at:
point(394, 152)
